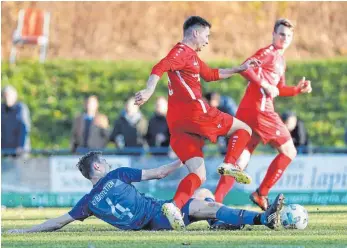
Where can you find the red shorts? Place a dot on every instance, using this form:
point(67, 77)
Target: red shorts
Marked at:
point(187, 135)
point(268, 125)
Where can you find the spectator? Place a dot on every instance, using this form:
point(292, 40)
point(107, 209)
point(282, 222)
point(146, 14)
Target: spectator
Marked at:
point(15, 123)
point(90, 129)
point(158, 134)
point(297, 130)
point(130, 128)
point(223, 103)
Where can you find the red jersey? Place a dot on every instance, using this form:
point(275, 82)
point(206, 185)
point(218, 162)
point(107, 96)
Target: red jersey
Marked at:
point(184, 69)
point(272, 70)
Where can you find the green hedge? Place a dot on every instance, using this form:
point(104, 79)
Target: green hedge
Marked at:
point(54, 93)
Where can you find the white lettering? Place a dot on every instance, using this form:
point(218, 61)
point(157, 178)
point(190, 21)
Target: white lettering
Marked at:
point(97, 198)
point(196, 76)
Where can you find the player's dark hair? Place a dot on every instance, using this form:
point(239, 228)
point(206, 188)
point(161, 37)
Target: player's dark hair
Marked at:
point(195, 20)
point(285, 22)
point(85, 163)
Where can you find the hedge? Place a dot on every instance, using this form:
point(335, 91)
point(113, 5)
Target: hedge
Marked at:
point(54, 92)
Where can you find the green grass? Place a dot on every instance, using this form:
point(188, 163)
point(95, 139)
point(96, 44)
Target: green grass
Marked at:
point(327, 228)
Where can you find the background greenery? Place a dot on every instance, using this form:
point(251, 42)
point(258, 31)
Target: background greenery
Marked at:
point(54, 92)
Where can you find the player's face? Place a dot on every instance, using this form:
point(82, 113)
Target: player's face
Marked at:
point(105, 166)
point(202, 36)
point(282, 37)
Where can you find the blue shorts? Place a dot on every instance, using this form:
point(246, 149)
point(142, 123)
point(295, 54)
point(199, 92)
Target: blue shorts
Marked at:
point(160, 222)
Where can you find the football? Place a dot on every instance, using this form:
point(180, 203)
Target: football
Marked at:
point(294, 216)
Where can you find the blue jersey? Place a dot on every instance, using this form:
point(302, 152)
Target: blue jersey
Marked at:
point(116, 201)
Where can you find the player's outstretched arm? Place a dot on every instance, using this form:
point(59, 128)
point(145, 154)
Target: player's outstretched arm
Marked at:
point(161, 172)
point(142, 96)
point(47, 226)
point(251, 63)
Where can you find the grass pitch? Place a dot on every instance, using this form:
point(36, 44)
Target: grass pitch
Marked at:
point(327, 228)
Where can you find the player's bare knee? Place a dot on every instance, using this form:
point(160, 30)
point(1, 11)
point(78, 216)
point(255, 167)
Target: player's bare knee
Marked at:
point(203, 193)
point(216, 205)
point(201, 174)
point(290, 152)
point(197, 165)
point(248, 129)
point(244, 126)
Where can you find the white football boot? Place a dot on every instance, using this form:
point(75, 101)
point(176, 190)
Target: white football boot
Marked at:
point(173, 214)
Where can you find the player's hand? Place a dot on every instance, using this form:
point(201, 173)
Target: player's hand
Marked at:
point(304, 86)
point(142, 96)
point(251, 63)
point(271, 90)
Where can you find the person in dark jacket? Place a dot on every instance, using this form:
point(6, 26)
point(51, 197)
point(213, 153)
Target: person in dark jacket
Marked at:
point(297, 130)
point(158, 134)
point(90, 129)
point(15, 123)
point(130, 128)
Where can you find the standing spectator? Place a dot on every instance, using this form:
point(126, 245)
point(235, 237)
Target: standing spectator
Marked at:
point(158, 134)
point(90, 128)
point(15, 123)
point(223, 103)
point(130, 128)
point(297, 130)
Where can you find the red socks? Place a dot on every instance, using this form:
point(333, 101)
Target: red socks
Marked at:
point(186, 189)
point(274, 173)
point(236, 145)
point(224, 186)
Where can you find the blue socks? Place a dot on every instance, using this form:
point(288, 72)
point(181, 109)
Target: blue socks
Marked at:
point(239, 216)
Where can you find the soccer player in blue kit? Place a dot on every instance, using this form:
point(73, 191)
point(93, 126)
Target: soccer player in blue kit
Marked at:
point(116, 201)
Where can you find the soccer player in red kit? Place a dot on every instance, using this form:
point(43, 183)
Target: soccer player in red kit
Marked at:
point(257, 110)
point(190, 118)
